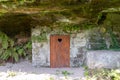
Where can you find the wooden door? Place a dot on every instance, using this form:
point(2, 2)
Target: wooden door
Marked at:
point(59, 51)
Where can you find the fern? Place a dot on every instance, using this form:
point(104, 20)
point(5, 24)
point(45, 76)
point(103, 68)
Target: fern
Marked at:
point(7, 49)
point(10, 50)
point(15, 56)
point(21, 52)
point(4, 41)
point(29, 45)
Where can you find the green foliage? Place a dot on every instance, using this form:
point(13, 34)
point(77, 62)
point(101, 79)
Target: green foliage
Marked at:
point(20, 51)
point(10, 50)
point(115, 74)
point(103, 74)
point(5, 41)
point(112, 24)
point(76, 28)
point(70, 28)
point(7, 49)
point(51, 78)
point(39, 38)
point(42, 36)
point(28, 45)
point(115, 43)
point(66, 73)
point(11, 73)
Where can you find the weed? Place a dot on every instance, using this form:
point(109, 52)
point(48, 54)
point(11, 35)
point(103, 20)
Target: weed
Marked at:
point(11, 73)
point(51, 78)
point(66, 73)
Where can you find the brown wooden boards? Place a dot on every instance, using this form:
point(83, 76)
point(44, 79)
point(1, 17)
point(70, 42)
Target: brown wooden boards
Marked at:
point(59, 51)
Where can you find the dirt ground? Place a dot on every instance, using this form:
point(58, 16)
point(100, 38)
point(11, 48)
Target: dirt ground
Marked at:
point(25, 67)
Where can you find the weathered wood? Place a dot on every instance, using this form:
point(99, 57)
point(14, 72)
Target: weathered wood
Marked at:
point(59, 51)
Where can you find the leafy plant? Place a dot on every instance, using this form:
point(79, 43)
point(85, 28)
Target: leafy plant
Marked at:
point(70, 28)
point(76, 28)
point(9, 50)
point(11, 73)
point(66, 73)
point(112, 26)
point(103, 74)
point(115, 74)
point(51, 78)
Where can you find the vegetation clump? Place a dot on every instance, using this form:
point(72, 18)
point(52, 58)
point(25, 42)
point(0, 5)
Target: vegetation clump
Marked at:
point(102, 74)
point(11, 51)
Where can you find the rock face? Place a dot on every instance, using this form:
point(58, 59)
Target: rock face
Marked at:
point(103, 59)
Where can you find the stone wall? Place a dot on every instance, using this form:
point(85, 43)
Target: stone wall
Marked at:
point(41, 50)
point(80, 43)
point(77, 49)
point(103, 59)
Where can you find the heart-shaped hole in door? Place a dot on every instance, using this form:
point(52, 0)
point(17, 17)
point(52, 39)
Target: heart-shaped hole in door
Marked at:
point(59, 40)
